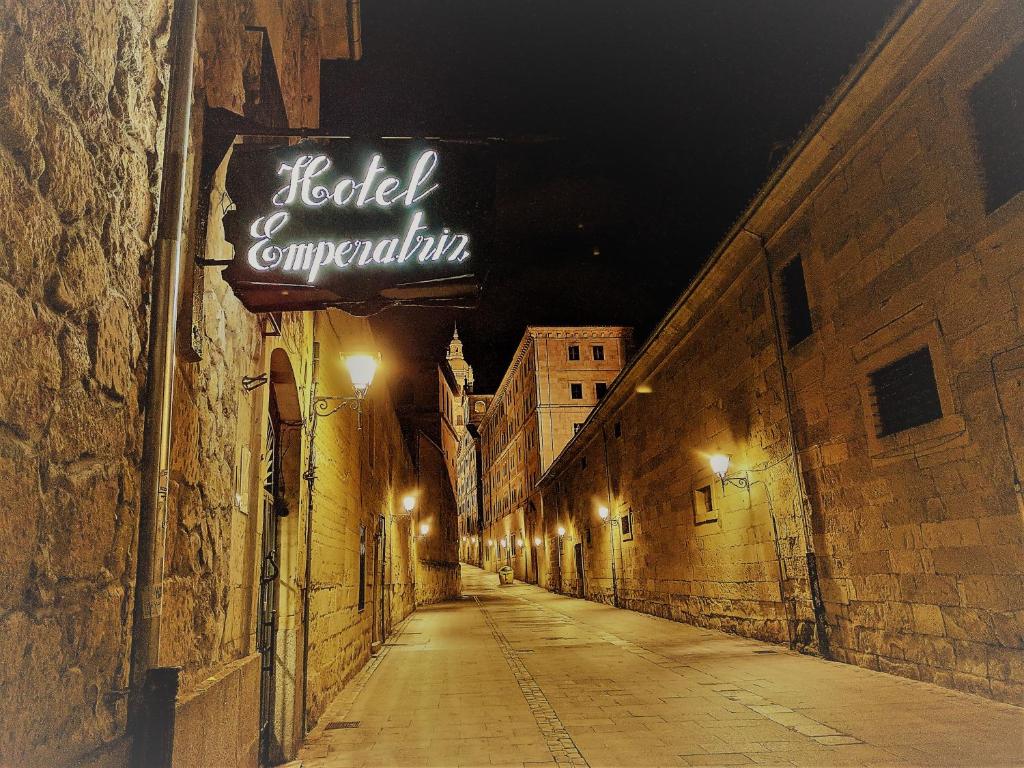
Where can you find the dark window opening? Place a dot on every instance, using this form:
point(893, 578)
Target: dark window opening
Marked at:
point(598, 351)
point(600, 388)
point(574, 352)
point(618, 429)
point(703, 506)
point(626, 523)
point(905, 393)
point(583, 463)
point(796, 308)
point(997, 104)
point(576, 391)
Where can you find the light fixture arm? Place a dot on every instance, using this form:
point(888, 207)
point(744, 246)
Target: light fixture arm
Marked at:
point(326, 406)
point(740, 481)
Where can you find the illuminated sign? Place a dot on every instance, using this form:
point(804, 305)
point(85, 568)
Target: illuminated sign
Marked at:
point(323, 224)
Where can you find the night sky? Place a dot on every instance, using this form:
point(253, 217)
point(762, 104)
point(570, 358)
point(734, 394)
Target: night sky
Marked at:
point(633, 134)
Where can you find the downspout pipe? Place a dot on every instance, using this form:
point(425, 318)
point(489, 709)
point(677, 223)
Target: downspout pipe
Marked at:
point(310, 477)
point(814, 584)
point(156, 436)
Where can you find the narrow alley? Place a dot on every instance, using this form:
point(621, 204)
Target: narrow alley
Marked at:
point(518, 676)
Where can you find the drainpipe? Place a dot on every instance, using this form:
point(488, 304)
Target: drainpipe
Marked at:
point(310, 477)
point(611, 516)
point(156, 436)
point(817, 603)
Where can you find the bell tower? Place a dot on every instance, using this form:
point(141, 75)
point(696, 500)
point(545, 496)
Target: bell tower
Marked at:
point(462, 370)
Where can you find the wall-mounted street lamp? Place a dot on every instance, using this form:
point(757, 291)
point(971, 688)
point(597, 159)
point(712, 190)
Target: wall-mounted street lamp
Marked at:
point(561, 532)
point(424, 530)
point(409, 503)
point(538, 541)
point(361, 370)
point(720, 466)
point(611, 522)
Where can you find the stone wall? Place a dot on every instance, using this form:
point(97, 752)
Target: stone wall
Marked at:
point(363, 471)
point(720, 570)
point(438, 575)
point(917, 535)
point(79, 170)
point(84, 88)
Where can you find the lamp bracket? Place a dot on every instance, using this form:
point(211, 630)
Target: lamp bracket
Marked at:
point(249, 383)
point(740, 481)
point(326, 406)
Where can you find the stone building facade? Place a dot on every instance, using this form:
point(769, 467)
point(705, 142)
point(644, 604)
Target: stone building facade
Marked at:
point(855, 345)
point(556, 377)
point(250, 469)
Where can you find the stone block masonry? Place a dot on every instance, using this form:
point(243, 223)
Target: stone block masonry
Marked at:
point(84, 92)
point(911, 514)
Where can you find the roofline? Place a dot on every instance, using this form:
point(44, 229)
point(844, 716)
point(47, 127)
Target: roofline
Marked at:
point(845, 87)
point(546, 331)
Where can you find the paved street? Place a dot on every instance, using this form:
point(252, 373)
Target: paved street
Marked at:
point(515, 676)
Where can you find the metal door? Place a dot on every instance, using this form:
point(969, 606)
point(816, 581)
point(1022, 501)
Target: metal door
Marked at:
point(266, 620)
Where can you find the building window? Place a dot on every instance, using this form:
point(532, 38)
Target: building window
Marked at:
point(576, 391)
point(618, 429)
point(362, 567)
point(576, 427)
point(600, 388)
point(586, 535)
point(703, 506)
point(583, 463)
point(796, 309)
point(626, 525)
point(997, 104)
point(598, 351)
point(574, 352)
point(905, 393)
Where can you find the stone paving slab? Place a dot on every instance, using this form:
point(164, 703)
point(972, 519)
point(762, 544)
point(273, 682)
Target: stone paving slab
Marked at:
point(517, 676)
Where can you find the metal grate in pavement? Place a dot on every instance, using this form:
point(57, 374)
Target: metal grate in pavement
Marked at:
point(334, 725)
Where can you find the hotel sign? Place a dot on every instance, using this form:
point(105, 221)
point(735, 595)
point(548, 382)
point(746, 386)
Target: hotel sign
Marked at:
point(332, 223)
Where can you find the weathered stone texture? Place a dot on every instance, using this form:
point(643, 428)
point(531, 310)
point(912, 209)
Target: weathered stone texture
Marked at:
point(84, 91)
point(76, 136)
point(918, 534)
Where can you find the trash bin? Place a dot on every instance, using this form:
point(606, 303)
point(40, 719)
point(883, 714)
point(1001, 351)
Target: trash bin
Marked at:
point(505, 575)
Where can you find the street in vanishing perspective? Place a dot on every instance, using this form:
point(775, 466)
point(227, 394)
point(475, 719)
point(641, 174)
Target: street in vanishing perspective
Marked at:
point(511, 383)
point(519, 676)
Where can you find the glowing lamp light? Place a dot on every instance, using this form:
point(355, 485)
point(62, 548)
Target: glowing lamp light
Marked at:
point(502, 543)
point(602, 512)
point(561, 531)
point(474, 539)
point(536, 541)
point(409, 503)
point(361, 369)
point(519, 543)
point(490, 542)
point(719, 464)
point(424, 529)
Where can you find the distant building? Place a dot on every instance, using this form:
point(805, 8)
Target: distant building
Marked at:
point(557, 376)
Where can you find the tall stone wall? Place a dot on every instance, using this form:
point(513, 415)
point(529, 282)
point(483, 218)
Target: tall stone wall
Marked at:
point(81, 85)
point(84, 87)
point(363, 471)
point(921, 532)
point(438, 574)
point(917, 535)
point(720, 569)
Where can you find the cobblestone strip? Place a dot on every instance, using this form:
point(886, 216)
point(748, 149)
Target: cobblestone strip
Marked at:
point(767, 709)
point(558, 740)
